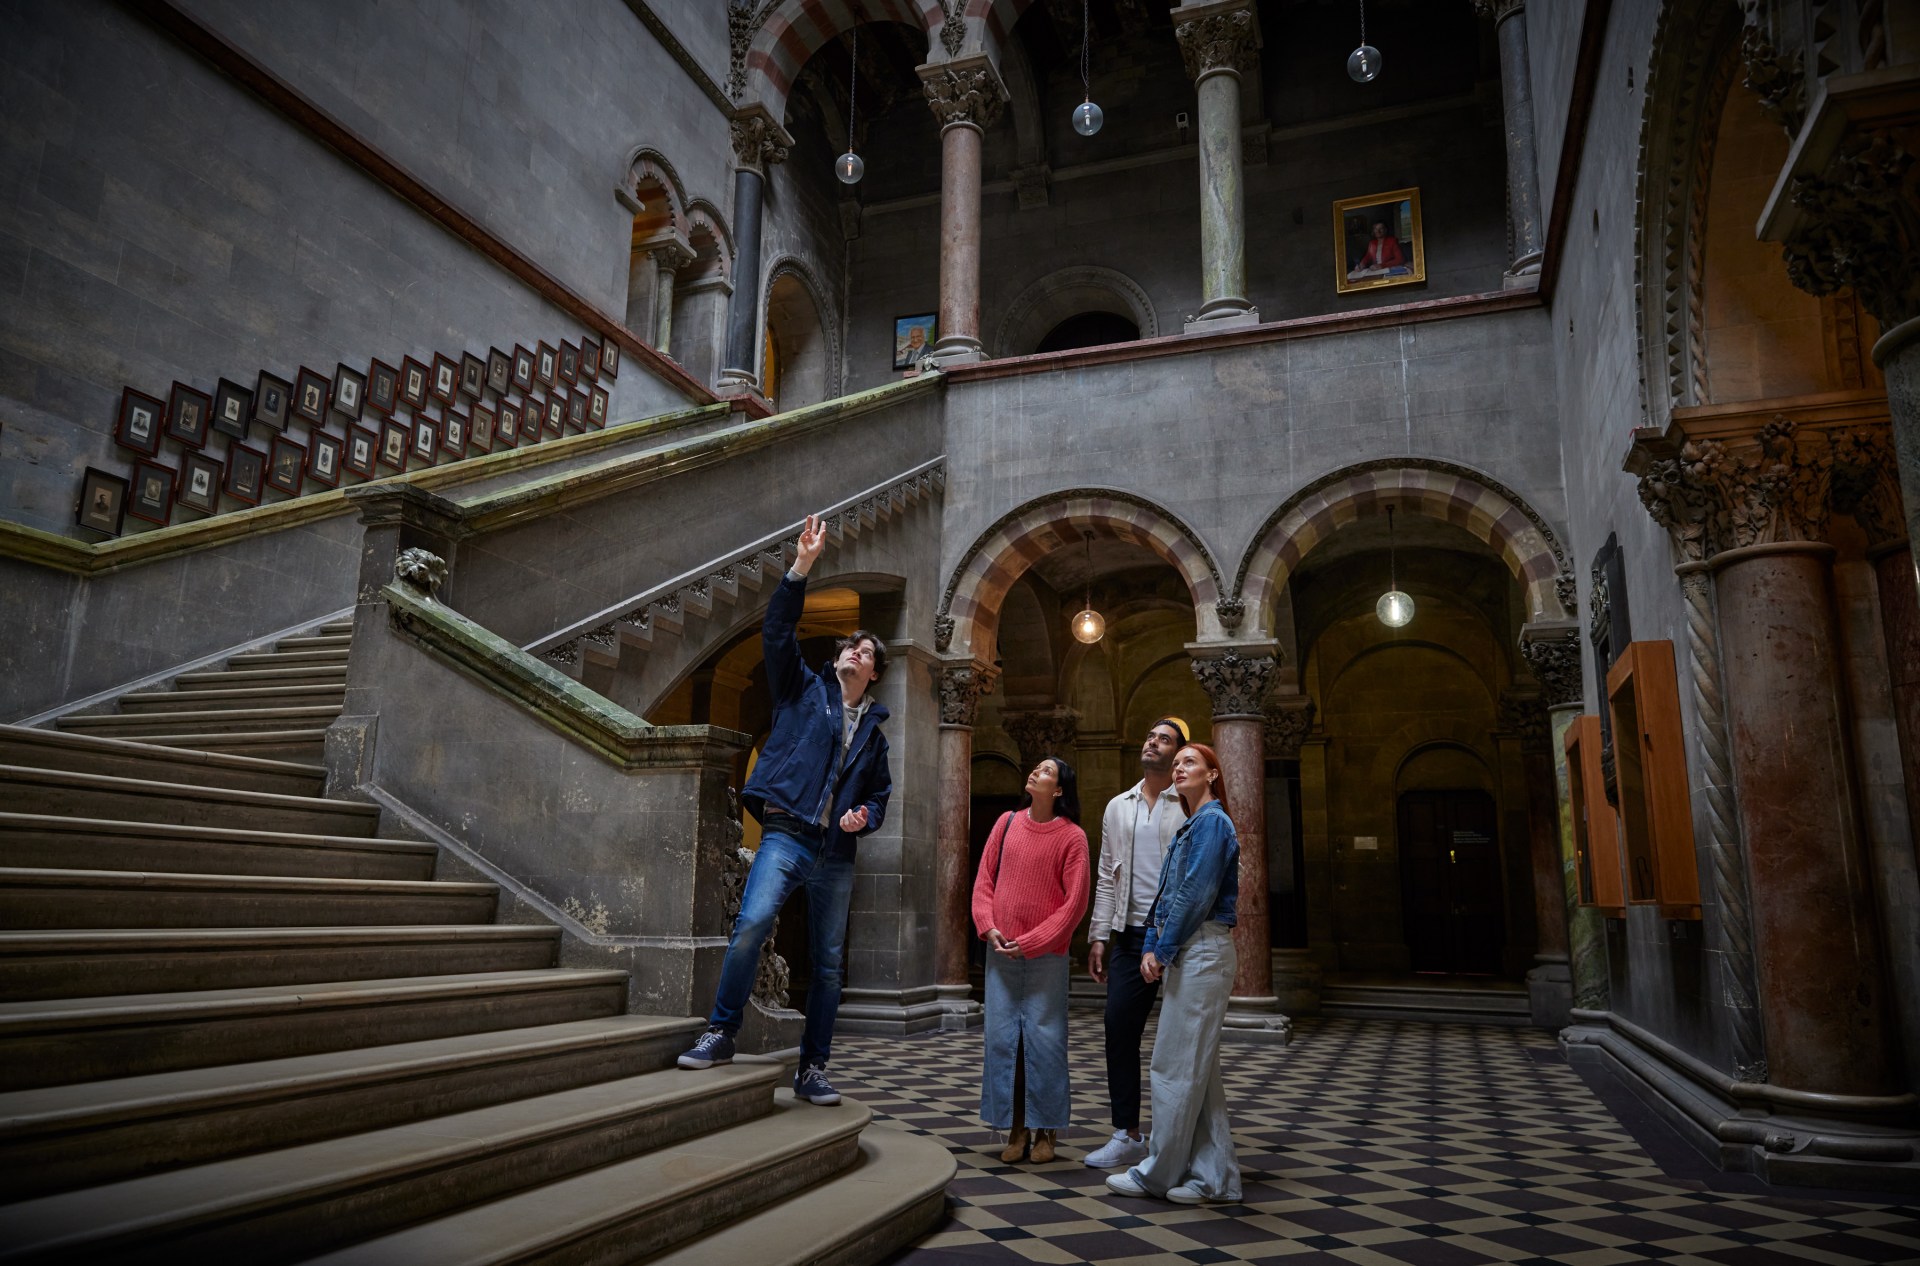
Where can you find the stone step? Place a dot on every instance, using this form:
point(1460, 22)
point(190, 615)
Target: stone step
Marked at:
point(50, 899)
point(894, 1193)
point(234, 678)
point(288, 1204)
point(39, 840)
point(250, 660)
point(1418, 1015)
point(295, 745)
point(639, 1205)
point(1436, 998)
point(125, 758)
point(231, 700)
point(63, 793)
point(61, 1137)
point(336, 628)
point(95, 962)
point(64, 1040)
point(314, 642)
point(203, 721)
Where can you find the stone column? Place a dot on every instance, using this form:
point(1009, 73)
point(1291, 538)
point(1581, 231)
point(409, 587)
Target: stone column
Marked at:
point(1898, 356)
point(961, 686)
point(1235, 678)
point(758, 140)
point(1570, 969)
point(1297, 979)
point(1516, 95)
point(966, 96)
point(1042, 734)
point(1219, 40)
point(669, 258)
point(1893, 570)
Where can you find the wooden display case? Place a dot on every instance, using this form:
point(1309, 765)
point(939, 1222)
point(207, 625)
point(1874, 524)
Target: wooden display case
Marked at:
point(1650, 767)
point(1596, 828)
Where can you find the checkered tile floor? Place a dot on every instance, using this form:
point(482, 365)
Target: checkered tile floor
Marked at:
point(1369, 1143)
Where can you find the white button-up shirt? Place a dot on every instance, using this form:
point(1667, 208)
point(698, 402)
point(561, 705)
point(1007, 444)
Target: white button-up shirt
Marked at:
point(1130, 857)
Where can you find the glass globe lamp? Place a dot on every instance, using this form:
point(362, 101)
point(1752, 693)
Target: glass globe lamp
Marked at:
point(849, 168)
point(1087, 118)
point(1394, 608)
point(1363, 64)
point(1089, 626)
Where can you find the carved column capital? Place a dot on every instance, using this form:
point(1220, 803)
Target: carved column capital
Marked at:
point(1235, 677)
point(1552, 651)
point(1498, 10)
point(963, 93)
point(1523, 714)
point(669, 254)
point(1288, 722)
point(1041, 734)
point(1217, 39)
point(758, 140)
point(1858, 225)
point(961, 686)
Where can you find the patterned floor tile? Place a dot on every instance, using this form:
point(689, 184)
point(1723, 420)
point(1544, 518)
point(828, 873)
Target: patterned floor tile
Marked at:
point(1364, 1143)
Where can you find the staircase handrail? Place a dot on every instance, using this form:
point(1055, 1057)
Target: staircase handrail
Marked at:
point(776, 547)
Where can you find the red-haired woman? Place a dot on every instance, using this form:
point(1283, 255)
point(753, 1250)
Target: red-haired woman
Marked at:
point(1190, 944)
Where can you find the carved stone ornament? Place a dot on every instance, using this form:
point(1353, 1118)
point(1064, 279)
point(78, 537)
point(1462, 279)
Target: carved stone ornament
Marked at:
point(1567, 589)
point(420, 571)
point(1523, 714)
point(1217, 41)
point(960, 691)
point(963, 95)
point(1041, 734)
point(1599, 604)
point(1866, 484)
point(1230, 612)
point(1778, 83)
point(1288, 722)
point(757, 142)
point(1235, 683)
point(1860, 227)
point(1555, 661)
point(1776, 486)
point(670, 256)
point(953, 31)
point(942, 632)
point(743, 19)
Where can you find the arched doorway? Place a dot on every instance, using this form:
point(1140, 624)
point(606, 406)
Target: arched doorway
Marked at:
point(798, 358)
point(1089, 329)
point(1081, 306)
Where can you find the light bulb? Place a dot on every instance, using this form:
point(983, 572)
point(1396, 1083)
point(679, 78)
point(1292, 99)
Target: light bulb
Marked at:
point(1087, 118)
point(849, 168)
point(1363, 64)
point(1394, 608)
point(1089, 627)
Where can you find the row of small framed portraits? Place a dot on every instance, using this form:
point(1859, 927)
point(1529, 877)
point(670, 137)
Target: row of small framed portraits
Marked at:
point(191, 416)
point(392, 444)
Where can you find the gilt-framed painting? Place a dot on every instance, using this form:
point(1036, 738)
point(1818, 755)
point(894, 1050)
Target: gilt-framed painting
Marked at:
point(1378, 241)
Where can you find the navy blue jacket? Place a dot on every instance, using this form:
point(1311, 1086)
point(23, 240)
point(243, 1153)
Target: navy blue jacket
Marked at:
point(800, 753)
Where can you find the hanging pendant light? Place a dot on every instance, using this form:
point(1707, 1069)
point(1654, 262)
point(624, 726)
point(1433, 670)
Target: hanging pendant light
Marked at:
point(848, 167)
point(1394, 608)
point(1089, 626)
point(1087, 116)
point(1363, 63)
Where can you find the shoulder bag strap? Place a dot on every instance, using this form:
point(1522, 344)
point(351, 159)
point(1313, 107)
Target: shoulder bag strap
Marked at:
point(1000, 831)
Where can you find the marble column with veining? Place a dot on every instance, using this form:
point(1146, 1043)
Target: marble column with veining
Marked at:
point(960, 689)
point(1898, 356)
point(1516, 96)
point(966, 97)
point(1220, 40)
point(758, 140)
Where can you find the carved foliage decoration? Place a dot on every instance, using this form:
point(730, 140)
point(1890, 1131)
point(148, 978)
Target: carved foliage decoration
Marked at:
point(744, 17)
point(1217, 41)
point(963, 95)
point(420, 570)
point(953, 31)
point(756, 141)
point(1041, 734)
point(1288, 722)
point(1523, 714)
point(1773, 78)
point(1555, 661)
point(1860, 226)
point(1235, 683)
point(960, 691)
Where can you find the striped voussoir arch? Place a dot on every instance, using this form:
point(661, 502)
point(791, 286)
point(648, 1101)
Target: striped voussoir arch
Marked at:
point(998, 17)
point(1061, 521)
point(796, 29)
point(1438, 490)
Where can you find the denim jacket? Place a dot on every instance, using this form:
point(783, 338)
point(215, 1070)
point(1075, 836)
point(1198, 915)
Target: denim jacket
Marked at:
point(1199, 882)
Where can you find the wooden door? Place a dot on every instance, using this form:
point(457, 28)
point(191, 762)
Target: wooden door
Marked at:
point(1450, 882)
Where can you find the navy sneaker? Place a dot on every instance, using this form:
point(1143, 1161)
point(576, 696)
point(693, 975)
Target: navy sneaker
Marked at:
point(714, 1047)
point(811, 1084)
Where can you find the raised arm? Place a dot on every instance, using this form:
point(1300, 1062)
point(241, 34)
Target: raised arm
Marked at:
point(780, 631)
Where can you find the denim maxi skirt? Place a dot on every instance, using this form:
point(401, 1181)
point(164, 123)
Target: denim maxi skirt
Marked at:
point(1026, 998)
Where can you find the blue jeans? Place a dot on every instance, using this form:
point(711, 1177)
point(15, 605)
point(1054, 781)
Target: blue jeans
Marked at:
point(783, 864)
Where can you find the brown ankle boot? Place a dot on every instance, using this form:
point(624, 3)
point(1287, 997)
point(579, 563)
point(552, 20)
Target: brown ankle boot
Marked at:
point(1016, 1148)
point(1042, 1146)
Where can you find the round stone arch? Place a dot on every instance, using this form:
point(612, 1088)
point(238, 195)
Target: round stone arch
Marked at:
point(1068, 292)
point(970, 609)
point(1440, 490)
point(791, 288)
point(705, 223)
point(767, 58)
point(649, 168)
point(1398, 749)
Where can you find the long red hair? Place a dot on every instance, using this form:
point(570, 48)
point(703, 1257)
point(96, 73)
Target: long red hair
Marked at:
point(1212, 761)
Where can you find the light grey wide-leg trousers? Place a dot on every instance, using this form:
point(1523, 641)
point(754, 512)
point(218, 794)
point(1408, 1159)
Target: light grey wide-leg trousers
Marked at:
point(1192, 1137)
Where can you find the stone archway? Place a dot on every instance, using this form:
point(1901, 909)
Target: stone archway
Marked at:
point(1069, 292)
point(802, 336)
point(767, 57)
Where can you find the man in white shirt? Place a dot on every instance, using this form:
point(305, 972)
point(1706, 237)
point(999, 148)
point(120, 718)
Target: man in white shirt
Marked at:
point(1135, 831)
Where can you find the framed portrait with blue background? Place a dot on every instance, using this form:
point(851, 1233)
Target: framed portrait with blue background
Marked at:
point(912, 338)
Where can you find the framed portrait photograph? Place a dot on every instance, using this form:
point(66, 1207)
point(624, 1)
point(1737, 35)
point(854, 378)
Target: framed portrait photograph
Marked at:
point(473, 375)
point(610, 359)
point(453, 435)
point(349, 392)
point(507, 428)
point(363, 448)
point(1377, 241)
point(597, 410)
point(413, 383)
point(577, 403)
point(533, 416)
point(189, 414)
point(589, 358)
point(569, 362)
point(446, 379)
point(913, 338)
point(522, 369)
point(152, 497)
point(556, 413)
point(310, 391)
point(272, 401)
point(232, 409)
point(426, 438)
point(480, 427)
point(383, 387)
point(546, 364)
point(288, 470)
point(141, 417)
point(246, 473)
point(103, 502)
point(499, 371)
point(395, 438)
point(199, 485)
point(323, 458)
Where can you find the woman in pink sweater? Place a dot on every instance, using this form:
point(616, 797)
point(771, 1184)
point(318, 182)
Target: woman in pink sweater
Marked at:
point(1027, 900)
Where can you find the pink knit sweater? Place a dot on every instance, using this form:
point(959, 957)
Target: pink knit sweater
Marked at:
point(1041, 892)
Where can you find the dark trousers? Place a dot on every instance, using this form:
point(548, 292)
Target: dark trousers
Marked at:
point(1129, 1001)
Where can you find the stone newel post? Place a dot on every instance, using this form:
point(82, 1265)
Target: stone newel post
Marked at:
point(961, 686)
point(1516, 95)
point(1235, 679)
point(1219, 40)
point(966, 96)
point(758, 140)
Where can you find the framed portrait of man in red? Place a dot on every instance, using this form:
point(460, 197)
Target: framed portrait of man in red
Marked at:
point(1378, 241)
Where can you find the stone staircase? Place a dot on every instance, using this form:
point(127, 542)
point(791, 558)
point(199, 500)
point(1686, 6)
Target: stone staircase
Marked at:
point(1437, 999)
point(237, 1024)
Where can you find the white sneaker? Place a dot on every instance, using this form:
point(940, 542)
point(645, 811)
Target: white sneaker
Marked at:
point(1119, 1151)
point(1124, 1185)
point(1187, 1193)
